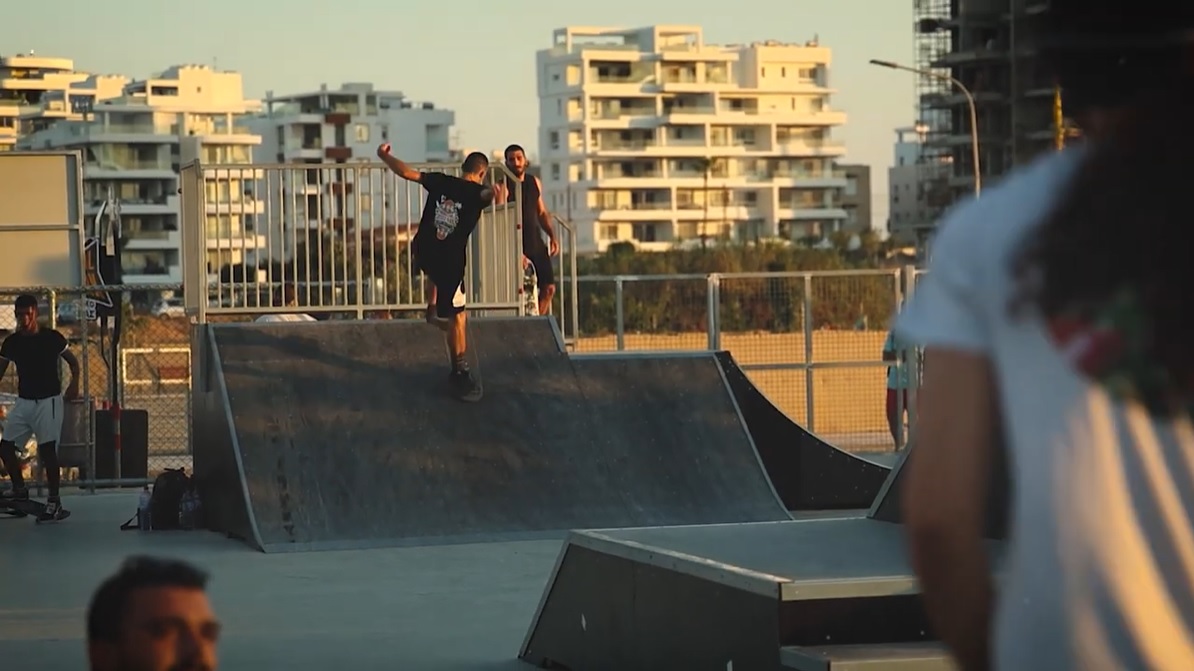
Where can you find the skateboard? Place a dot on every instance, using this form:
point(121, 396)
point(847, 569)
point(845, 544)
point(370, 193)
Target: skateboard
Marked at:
point(530, 291)
point(477, 394)
point(27, 507)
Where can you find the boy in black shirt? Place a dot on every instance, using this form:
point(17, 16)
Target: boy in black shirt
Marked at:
point(39, 408)
point(454, 205)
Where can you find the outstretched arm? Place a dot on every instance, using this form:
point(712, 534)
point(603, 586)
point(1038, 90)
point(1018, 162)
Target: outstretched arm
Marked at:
point(546, 222)
point(72, 389)
point(3, 367)
point(399, 167)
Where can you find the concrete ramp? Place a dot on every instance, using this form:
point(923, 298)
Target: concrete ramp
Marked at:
point(341, 435)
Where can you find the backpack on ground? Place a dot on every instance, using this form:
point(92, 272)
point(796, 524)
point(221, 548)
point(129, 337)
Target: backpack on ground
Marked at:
point(173, 503)
point(166, 501)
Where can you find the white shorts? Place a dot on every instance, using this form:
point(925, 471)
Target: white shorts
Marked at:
point(41, 419)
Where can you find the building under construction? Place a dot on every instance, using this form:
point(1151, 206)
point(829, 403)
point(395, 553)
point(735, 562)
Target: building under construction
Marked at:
point(990, 47)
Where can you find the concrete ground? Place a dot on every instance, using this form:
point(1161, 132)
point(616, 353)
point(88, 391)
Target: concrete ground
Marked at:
point(462, 607)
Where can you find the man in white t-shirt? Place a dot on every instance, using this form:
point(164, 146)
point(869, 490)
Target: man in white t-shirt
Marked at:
point(289, 299)
point(1099, 571)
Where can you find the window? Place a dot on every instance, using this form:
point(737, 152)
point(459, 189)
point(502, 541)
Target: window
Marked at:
point(362, 132)
point(554, 138)
point(555, 171)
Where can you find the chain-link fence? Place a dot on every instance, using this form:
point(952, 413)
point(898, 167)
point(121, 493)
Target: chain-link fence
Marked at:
point(132, 418)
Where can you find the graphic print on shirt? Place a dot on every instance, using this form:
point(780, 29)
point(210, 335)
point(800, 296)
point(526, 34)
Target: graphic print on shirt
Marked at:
point(447, 217)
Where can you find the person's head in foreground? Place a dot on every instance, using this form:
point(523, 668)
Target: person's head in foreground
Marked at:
point(1055, 321)
point(152, 615)
point(474, 167)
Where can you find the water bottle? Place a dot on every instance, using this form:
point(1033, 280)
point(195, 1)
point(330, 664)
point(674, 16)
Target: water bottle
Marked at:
point(143, 521)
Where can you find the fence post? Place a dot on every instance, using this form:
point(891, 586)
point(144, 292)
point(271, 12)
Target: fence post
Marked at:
point(911, 356)
point(713, 304)
point(809, 411)
point(619, 316)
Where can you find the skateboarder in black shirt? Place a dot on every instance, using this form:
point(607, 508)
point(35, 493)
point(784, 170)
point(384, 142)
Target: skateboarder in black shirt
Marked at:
point(39, 408)
point(454, 205)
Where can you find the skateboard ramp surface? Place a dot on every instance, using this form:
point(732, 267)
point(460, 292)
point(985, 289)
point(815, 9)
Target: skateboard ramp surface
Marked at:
point(808, 473)
point(342, 434)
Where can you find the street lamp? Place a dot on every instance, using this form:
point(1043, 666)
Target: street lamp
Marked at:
point(978, 179)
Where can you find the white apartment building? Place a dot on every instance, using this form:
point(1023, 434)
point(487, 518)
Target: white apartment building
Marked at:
point(135, 144)
point(73, 103)
point(909, 217)
point(25, 79)
point(343, 126)
point(652, 136)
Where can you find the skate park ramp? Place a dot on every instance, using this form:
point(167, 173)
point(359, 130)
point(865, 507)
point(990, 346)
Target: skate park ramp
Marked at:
point(807, 472)
point(887, 504)
point(334, 435)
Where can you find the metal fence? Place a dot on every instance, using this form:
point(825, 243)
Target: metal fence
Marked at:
point(812, 342)
point(132, 420)
point(339, 232)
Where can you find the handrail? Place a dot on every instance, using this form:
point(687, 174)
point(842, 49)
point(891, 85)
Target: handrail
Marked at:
point(574, 293)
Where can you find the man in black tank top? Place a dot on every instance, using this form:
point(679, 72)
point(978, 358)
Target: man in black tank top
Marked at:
point(535, 222)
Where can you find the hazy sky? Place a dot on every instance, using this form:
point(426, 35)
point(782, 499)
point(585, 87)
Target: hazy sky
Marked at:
point(474, 57)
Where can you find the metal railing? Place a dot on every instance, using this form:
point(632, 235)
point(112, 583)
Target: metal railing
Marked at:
point(811, 341)
point(340, 232)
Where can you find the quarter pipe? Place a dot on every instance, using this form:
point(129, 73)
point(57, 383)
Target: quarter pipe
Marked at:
point(334, 435)
point(808, 473)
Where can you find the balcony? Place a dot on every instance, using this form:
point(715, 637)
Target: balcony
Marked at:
point(681, 114)
point(619, 74)
point(619, 146)
point(152, 274)
point(243, 241)
point(163, 204)
point(809, 148)
point(151, 239)
point(118, 133)
point(111, 168)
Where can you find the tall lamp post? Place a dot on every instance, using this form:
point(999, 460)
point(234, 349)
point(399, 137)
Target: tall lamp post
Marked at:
point(978, 173)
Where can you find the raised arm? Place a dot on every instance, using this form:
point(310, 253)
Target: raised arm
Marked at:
point(399, 167)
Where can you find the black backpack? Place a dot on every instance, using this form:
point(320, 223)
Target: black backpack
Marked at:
point(164, 504)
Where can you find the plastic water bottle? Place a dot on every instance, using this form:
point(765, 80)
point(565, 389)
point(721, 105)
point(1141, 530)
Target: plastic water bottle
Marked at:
point(143, 521)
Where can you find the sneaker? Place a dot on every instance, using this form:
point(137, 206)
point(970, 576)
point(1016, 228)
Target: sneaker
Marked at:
point(54, 512)
point(464, 385)
point(21, 494)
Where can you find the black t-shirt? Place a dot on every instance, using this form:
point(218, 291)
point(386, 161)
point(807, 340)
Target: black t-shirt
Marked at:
point(36, 358)
point(453, 207)
point(532, 228)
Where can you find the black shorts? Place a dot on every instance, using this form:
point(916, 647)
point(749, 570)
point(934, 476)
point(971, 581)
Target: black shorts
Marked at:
point(544, 272)
point(448, 278)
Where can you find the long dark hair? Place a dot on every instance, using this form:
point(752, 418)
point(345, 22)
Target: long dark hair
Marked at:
point(1116, 247)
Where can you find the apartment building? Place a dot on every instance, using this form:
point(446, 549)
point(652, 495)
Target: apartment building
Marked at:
point(856, 197)
point(650, 135)
point(911, 213)
point(24, 80)
point(73, 103)
point(344, 126)
point(133, 147)
point(989, 46)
